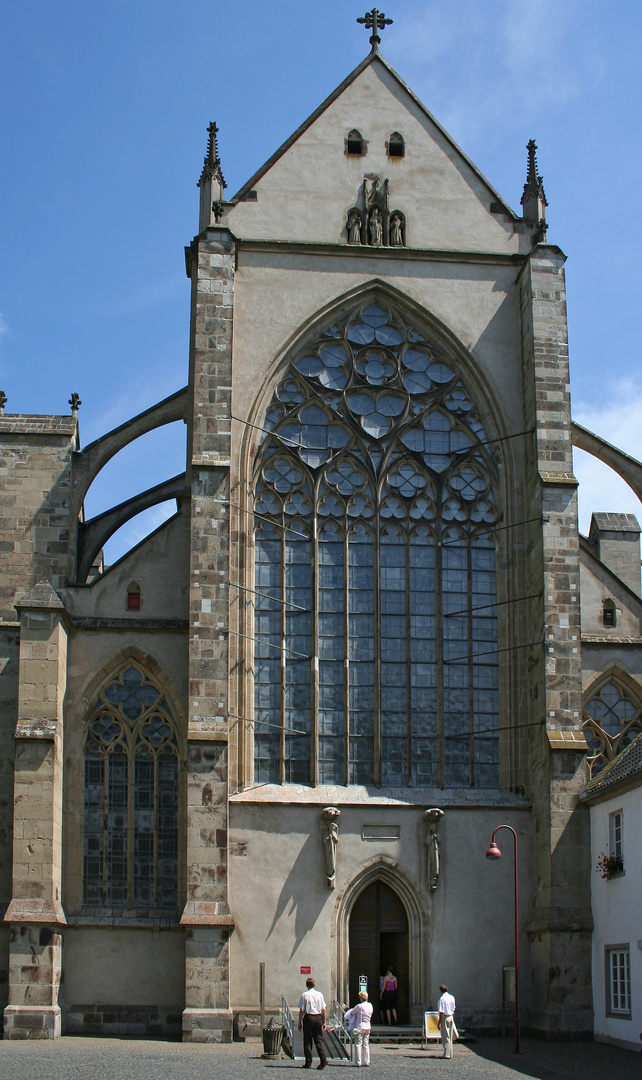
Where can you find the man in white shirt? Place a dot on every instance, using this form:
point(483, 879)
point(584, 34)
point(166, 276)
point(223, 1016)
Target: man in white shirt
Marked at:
point(446, 1009)
point(312, 1021)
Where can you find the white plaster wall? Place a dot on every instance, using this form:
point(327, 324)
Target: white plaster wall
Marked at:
point(596, 658)
point(160, 565)
point(596, 585)
point(307, 192)
point(108, 966)
point(617, 913)
point(277, 294)
point(286, 916)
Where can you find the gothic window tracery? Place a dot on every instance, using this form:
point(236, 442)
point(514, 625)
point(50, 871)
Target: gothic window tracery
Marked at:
point(612, 719)
point(376, 630)
point(131, 796)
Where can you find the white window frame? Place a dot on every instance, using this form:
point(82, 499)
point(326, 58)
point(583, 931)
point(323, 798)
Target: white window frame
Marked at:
point(618, 981)
point(616, 834)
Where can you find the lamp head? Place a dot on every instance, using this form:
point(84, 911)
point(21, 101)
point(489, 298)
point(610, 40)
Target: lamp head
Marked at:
point(493, 852)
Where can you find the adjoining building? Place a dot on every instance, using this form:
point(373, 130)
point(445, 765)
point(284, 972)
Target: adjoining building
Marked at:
point(284, 727)
point(614, 796)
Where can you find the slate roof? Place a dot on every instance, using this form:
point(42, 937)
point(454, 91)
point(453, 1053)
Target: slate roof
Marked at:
point(627, 766)
point(615, 522)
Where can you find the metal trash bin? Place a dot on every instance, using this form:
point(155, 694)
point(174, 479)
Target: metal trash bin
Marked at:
point(272, 1039)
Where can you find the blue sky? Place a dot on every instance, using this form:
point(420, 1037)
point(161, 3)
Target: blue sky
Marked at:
point(104, 118)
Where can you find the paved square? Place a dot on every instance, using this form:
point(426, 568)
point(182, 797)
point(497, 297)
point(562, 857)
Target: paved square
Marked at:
point(77, 1058)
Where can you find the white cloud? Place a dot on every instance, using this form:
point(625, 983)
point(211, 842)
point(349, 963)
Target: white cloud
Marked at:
point(618, 419)
point(482, 68)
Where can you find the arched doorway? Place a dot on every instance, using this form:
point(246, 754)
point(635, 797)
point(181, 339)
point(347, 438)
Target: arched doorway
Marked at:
point(378, 939)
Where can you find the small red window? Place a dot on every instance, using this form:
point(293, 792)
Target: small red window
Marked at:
point(133, 597)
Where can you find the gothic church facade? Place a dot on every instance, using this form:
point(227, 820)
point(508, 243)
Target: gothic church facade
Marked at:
point(284, 727)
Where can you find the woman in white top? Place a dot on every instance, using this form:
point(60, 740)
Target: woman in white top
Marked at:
point(361, 1016)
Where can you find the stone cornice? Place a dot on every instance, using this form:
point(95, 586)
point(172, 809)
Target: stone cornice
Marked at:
point(43, 912)
point(356, 251)
point(164, 626)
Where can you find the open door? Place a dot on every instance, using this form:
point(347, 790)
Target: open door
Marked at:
point(378, 938)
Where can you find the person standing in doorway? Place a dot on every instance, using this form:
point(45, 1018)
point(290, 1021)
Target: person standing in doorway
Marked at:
point(446, 1009)
point(312, 1022)
point(388, 994)
point(360, 1016)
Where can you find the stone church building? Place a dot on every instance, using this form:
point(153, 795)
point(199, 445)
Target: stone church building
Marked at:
point(283, 728)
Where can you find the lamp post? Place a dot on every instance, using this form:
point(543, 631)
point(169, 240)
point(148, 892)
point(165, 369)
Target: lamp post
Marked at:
point(494, 853)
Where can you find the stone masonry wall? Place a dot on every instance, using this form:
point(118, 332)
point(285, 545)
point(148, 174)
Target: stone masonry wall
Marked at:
point(206, 918)
point(561, 922)
point(35, 460)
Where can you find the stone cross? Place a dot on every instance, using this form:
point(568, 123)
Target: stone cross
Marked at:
point(373, 20)
point(75, 403)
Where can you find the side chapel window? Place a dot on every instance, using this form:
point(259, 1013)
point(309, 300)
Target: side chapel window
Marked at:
point(612, 719)
point(131, 796)
point(376, 627)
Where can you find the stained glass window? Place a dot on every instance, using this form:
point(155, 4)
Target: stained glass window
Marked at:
point(376, 628)
point(131, 797)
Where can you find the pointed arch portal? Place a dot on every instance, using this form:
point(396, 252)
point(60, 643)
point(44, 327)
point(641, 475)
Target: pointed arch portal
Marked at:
point(378, 939)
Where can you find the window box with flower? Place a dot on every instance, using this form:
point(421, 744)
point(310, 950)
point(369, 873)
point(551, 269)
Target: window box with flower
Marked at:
point(609, 866)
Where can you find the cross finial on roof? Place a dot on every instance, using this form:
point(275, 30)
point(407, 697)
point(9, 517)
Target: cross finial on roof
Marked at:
point(375, 20)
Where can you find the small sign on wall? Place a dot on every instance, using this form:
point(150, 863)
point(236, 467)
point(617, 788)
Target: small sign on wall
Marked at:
point(363, 984)
point(306, 970)
point(508, 985)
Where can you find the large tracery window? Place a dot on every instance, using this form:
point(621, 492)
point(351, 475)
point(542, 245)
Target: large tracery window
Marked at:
point(131, 797)
point(376, 630)
point(612, 719)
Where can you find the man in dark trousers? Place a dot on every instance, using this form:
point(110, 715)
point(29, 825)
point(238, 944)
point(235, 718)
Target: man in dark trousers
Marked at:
point(312, 1021)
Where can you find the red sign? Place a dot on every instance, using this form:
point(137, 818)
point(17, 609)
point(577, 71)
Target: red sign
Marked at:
point(306, 970)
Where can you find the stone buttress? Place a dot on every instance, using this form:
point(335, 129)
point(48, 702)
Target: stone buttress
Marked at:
point(560, 923)
point(206, 918)
point(35, 486)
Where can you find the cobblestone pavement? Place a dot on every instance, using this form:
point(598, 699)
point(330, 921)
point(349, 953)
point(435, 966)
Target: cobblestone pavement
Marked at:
point(76, 1058)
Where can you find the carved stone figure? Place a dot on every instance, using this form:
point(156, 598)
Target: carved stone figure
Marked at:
point(375, 227)
point(330, 817)
point(354, 227)
point(376, 195)
point(432, 842)
point(396, 231)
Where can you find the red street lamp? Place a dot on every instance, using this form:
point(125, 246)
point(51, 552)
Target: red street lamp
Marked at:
point(494, 853)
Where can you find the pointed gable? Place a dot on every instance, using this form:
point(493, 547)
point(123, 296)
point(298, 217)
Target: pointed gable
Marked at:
point(305, 191)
